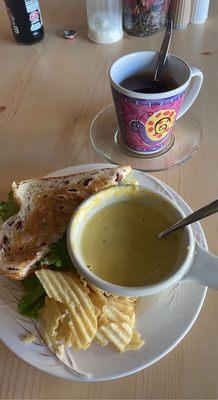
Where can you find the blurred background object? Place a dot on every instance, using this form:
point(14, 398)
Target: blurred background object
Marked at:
point(199, 11)
point(180, 13)
point(145, 17)
point(104, 20)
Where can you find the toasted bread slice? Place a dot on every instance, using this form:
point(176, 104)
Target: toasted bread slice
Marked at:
point(46, 206)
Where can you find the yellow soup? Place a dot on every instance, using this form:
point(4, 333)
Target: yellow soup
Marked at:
point(119, 244)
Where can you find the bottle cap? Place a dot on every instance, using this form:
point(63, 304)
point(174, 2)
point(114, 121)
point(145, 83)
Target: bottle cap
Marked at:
point(70, 34)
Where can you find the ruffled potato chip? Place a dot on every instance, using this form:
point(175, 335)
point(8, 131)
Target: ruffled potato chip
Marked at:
point(98, 299)
point(68, 290)
point(135, 343)
point(76, 312)
point(118, 334)
point(50, 316)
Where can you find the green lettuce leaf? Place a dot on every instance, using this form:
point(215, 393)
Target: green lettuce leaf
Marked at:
point(8, 208)
point(58, 257)
point(33, 298)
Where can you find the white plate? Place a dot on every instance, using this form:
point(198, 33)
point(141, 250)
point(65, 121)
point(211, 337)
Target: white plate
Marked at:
point(163, 320)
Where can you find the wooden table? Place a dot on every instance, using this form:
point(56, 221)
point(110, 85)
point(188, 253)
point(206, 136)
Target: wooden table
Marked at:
point(49, 94)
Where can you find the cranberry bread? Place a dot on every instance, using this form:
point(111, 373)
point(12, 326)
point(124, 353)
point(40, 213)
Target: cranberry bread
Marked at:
point(46, 206)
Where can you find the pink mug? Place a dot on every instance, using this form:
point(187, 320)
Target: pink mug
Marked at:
point(146, 120)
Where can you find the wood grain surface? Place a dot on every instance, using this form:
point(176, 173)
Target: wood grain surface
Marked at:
point(49, 94)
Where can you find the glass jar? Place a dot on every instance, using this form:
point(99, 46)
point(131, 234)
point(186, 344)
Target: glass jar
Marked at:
point(145, 17)
point(104, 20)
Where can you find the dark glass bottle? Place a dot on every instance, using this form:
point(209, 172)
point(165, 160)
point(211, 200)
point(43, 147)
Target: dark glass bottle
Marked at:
point(26, 21)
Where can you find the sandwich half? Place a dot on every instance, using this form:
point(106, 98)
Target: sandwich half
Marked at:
point(45, 208)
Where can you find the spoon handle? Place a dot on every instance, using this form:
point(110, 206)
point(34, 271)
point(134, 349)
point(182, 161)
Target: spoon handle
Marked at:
point(164, 50)
point(205, 211)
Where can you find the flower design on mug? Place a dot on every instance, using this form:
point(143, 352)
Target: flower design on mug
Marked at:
point(159, 124)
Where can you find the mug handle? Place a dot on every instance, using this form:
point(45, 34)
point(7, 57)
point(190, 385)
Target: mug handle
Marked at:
point(192, 92)
point(204, 269)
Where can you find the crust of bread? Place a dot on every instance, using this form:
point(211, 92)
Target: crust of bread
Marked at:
point(46, 206)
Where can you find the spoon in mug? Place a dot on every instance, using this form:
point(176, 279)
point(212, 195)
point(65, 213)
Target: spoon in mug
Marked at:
point(163, 51)
point(203, 212)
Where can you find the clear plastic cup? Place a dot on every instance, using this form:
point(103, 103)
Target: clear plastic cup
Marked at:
point(104, 20)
